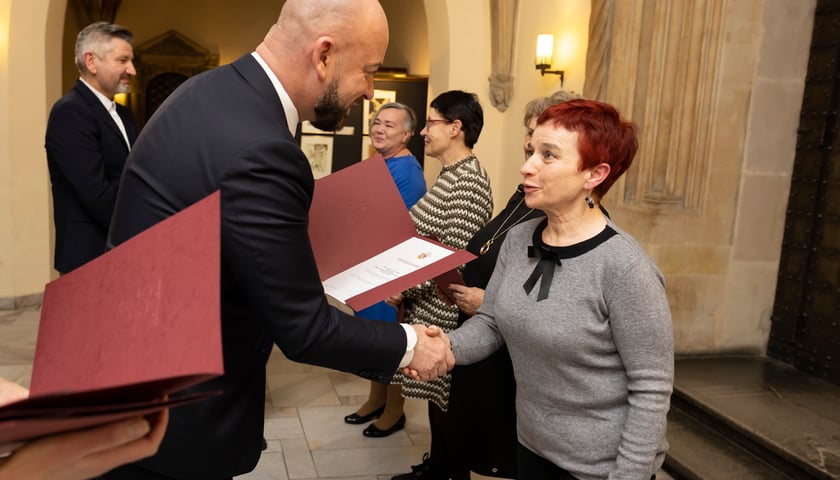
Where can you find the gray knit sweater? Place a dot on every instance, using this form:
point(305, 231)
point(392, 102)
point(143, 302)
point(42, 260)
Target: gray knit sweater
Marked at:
point(594, 361)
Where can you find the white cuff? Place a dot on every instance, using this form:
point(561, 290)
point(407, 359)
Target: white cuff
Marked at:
point(410, 342)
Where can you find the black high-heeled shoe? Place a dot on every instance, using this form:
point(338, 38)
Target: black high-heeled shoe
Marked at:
point(374, 432)
point(356, 419)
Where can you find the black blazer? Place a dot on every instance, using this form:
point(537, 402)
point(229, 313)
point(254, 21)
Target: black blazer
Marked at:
point(225, 129)
point(85, 154)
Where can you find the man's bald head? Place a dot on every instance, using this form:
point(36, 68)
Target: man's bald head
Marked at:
point(302, 21)
point(325, 53)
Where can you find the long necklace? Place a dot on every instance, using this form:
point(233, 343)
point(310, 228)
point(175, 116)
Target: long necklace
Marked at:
point(486, 247)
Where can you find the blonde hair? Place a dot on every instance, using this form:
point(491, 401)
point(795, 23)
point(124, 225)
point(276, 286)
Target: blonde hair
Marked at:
point(537, 106)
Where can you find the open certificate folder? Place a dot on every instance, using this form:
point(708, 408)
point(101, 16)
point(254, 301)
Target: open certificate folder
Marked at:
point(124, 331)
point(364, 241)
point(400, 260)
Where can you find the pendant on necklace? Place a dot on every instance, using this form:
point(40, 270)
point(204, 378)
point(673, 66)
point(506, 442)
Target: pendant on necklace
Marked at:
point(484, 248)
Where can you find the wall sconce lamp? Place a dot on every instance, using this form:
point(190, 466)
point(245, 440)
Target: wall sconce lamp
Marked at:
point(545, 50)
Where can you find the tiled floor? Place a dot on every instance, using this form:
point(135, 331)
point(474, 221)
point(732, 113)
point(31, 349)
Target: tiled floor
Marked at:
point(307, 437)
point(18, 331)
point(305, 406)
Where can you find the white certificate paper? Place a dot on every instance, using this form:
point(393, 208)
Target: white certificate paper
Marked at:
point(400, 260)
point(364, 241)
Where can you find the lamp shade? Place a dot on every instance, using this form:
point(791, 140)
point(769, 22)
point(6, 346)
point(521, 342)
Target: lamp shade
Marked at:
point(545, 49)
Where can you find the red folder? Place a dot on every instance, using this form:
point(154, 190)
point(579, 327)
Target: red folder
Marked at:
point(125, 330)
point(447, 278)
point(357, 213)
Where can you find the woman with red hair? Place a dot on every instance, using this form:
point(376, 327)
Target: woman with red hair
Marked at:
point(582, 310)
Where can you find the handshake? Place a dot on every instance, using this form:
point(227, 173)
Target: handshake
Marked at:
point(432, 354)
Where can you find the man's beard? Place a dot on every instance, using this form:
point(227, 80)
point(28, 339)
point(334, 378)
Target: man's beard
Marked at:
point(329, 114)
point(123, 87)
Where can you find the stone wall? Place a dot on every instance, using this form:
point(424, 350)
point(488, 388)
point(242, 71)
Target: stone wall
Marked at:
point(715, 87)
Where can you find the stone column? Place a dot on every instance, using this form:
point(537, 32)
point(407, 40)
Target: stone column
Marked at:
point(503, 15)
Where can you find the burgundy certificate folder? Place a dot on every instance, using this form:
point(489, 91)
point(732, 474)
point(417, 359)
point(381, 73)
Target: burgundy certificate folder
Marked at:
point(447, 278)
point(357, 215)
point(122, 332)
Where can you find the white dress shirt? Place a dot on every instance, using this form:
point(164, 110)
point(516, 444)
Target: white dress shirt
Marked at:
point(111, 106)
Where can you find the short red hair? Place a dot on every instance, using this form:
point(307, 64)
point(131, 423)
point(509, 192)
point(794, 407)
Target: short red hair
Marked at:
point(603, 137)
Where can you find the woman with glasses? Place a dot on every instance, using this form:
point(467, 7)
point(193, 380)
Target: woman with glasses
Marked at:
point(455, 207)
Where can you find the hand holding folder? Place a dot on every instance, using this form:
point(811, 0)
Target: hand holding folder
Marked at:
point(444, 280)
point(85, 453)
point(120, 336)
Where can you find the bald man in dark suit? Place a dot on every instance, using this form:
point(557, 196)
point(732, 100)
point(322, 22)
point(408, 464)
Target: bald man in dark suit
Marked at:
point(231, 129)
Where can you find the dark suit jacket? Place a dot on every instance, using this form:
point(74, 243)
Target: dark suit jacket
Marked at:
point(225, 129)
point(85, 153)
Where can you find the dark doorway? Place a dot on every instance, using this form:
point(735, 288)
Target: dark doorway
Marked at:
point(805, 328)
point(159, 88)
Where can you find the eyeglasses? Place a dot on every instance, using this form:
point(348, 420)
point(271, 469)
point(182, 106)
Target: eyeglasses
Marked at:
point(432, 121)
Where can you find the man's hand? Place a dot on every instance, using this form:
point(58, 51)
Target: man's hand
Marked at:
point(432, 354)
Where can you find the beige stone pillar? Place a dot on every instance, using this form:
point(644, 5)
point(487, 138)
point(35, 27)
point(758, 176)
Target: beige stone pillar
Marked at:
point(30, 40)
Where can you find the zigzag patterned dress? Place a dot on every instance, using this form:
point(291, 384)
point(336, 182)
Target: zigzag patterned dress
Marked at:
point(458, 204)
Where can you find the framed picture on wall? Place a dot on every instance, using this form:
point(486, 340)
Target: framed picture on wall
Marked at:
point(380, 97)
point(349, 145)
point(367, 149)
point(319, 151)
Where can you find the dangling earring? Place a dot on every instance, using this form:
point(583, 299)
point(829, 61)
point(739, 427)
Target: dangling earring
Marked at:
point(589, 201)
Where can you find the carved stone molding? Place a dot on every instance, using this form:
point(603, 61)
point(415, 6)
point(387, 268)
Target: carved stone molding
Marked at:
point(175, 53)
point(503, 15)
point(163, 63)
point(664, 60)
point(90, 11)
